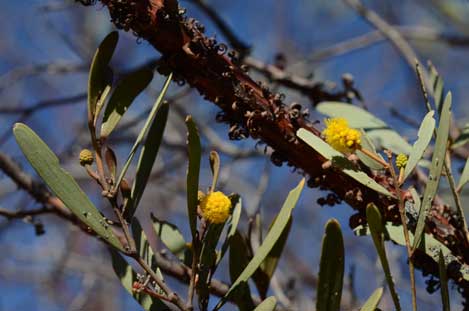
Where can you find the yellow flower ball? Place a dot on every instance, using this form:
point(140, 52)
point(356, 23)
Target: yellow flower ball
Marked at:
point(86, 157)
point(401, 161)
point(216, 207)
point(340, 136)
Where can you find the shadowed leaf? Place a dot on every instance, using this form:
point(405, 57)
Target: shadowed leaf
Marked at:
point(443, 282)
point(195, 151)
point(170, 236)
point(268, 243)
point(267, 305)
point(331, 268)
point(99, 72)
point(375, 223)
point(123, 96)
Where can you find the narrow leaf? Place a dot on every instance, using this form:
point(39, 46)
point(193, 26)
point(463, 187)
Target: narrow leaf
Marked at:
point(463, 138)
point(464, 178)
point(123, 96)
point(338, 158)
point(99, 72)
point(368, 145)
point(377, 230)
point(268, 243)
point(424, 137)
point(215, 167)
point(62, 184)
point(267, 305)
point(195, 151)
point(331, 268)
point(372, 303)
point(239, 259)
point(443, 282)
point(267, 269)
point(143, 131)
point(233, 222)
point(170, 236)
point(438, 86)
point(438, 160)
point(146, 160)
point(111, 162)
point(127, 277)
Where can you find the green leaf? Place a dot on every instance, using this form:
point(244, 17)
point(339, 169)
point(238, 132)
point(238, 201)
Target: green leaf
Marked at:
point(268, 243)
point(170, 235)
point(268, 304)
point(438, 86)
point(438, 160)
point(375, 224)
point(62, 184)
point(123, 96)
point(464, 178)
point(416, 198)
point(127, 277)
point(233, 222)
point(215, 167)
point(99, 72)
point(239, 259)
point(267, 269)
point(372, 303)
point(195, 152)
point(331, 268)
point(462, 139)
point(338, 158)
point(368, 145)
point(443, 282)
point(424, 137)
point(151, 119)
point(382, 135)
point(207, 261)
point(146, 159)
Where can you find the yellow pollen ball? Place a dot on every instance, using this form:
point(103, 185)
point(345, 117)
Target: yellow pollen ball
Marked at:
point(86, 157)
point(340, 136)
point(216, 207)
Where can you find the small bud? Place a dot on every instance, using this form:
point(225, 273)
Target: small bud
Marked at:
point(86, 157)
point(401, 161)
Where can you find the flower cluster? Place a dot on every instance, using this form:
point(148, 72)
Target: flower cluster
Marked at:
point(216, 207)
point(401, 161)
point(340, 136)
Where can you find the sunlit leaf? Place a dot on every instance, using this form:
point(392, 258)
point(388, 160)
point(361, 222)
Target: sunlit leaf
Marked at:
point(123, 96)
point(331, 268)
point(372, 303)
point(438, 159)
point(368, 145)
point(377, 230)
point(233, 222)
point(338, 158)
point(464, 175)
point(268, 243)
point(62, 184)
point(267, 305)
point(424, 137)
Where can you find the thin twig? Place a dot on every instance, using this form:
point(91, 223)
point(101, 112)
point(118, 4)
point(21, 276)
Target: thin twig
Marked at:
point(404, 227)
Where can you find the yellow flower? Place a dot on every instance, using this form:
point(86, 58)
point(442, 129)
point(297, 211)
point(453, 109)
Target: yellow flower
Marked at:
point(401, 161)
point(340, 136)
point(86, 157)
point(216, 207)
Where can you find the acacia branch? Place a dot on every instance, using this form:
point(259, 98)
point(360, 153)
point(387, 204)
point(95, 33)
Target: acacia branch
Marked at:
point(253, 110)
